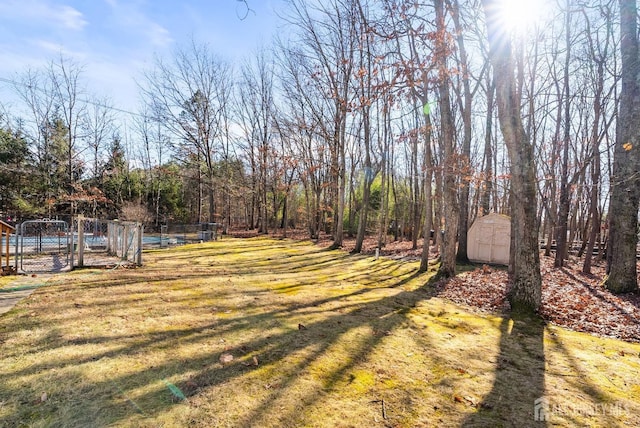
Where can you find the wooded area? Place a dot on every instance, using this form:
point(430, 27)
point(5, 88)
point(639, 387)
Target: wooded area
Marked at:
point(387, 118)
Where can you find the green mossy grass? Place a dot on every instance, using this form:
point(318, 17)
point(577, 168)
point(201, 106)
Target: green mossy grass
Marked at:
point(317, 337)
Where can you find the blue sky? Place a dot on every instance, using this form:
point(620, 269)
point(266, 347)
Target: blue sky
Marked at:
point(114, 40)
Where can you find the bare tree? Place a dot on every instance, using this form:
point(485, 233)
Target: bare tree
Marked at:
point(328, 35)
point(366, 97)
point(625, 181)
point(565, 197)
point(464, 98)
point(256, 113)
point(599, 51)
point(525, 292)
point(309, 116)
point(54, 99)
point(154, 143)
point(98, 125)
point(67, 92)
point(450, 161)
point(189, 94)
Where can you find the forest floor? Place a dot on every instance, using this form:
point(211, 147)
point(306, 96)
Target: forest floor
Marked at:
point(267, 332)
point(570, 298)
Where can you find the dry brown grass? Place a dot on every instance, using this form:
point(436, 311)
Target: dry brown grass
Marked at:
point(318, 338)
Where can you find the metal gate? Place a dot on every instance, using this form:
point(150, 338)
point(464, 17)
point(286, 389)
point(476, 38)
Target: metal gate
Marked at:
point(104, 242)
point(44, 246)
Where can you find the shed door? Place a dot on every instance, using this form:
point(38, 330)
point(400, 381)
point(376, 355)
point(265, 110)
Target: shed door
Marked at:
point(501, 243)
point(485, 242)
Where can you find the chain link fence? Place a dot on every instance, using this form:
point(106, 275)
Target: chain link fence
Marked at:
point(43, 246)
point(54, 246)
point(105, 242)
point(181, 234)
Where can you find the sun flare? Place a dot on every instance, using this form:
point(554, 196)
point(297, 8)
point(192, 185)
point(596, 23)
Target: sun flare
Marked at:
point(520, 15)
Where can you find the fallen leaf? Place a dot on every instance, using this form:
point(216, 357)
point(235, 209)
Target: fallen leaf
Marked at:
point(43, 397)
point(255, 360)
point(472, 401)
point(301, 327)
point(226, 358)
point(627, 146)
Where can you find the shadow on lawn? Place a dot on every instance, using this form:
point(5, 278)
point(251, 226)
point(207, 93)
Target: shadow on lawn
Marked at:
point(517, 395)
point(518, 381)
point(382, 315)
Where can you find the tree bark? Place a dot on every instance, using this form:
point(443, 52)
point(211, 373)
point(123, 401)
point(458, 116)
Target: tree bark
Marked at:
point(625, 181)
point(428, 214)
point(450, 185)
point(488, 151)
point(465, 110)
point(595, 150)
point(565, 197)
point(525, 282)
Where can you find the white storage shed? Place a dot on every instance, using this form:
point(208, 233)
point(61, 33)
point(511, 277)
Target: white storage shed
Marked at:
point(488, 240)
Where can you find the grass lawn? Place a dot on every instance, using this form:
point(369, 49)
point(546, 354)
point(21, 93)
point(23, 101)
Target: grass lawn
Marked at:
point(275, 333)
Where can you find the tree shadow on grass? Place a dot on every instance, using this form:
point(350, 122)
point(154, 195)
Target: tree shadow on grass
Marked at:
point(517, 395)
point(290, 339)
point(378, 315)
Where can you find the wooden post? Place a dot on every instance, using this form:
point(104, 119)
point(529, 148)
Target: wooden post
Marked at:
point(1, 233)
point(7, 236)
point(81, 241)
point(139, 249)
point(5, 229)
point(109, 237)
point(125, 238)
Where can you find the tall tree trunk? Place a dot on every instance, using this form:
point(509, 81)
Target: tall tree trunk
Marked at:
point(526, 282)
point(342, 182)
point(396, 208)
point(565, 197)
point(488, 150)
point(352, 205)
point(595, 165)
point(200, 190)
point(369, 175)
point(428, 215)
point(211, 193)
point(384, 187)
point(465, 104)
point(625, 182)
point(415, 195)
point(450, 169)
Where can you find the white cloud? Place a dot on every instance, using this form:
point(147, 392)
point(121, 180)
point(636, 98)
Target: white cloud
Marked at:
point(55, 49)
point(158, 35)
point(130, 17)
point(43, 13)
point(49, 46)
point(70, 18)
